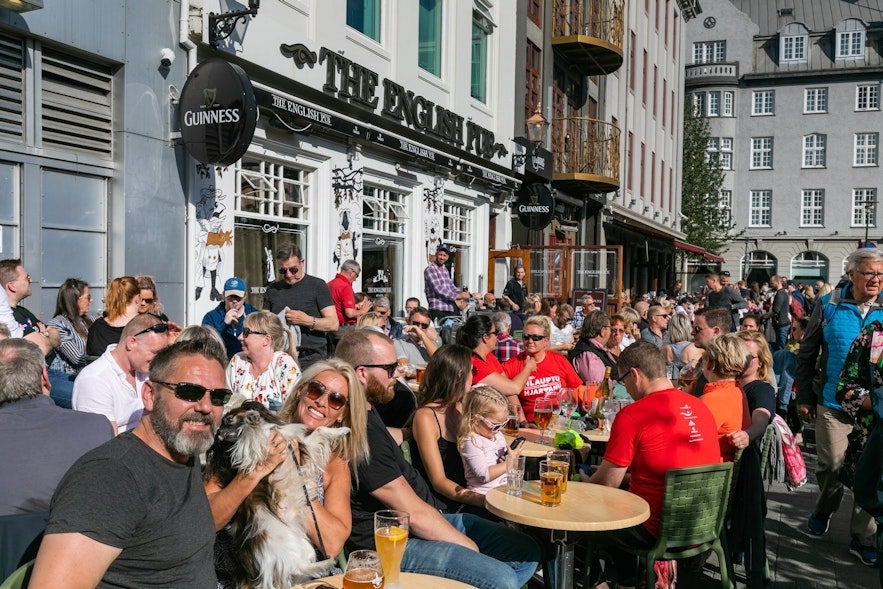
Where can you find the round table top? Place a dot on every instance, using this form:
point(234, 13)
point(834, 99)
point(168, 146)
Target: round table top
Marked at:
point(532, 449)
point(585, 507)
point(408, 581)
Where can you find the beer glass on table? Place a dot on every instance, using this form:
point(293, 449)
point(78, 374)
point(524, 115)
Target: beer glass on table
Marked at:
point(542, 416)
point(550, 484)
point(390, 537)
point(363, 570)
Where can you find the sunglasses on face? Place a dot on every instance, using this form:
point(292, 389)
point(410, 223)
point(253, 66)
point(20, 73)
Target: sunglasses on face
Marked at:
point(533, 337)
point(247, 332)
point(390, 368)
point(420, 325)
point(155, 328)
point(494, 427)
point(292, 270)
point(315, 391)
point(146, 301)
point(187, 391)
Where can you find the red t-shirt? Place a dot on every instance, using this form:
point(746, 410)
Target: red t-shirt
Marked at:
point(729, 406)
point(552, 374)
point(342, 295)
point(481, 368)
point(664, 430)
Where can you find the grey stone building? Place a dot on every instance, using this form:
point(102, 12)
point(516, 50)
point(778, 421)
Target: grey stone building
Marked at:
point(792, 94)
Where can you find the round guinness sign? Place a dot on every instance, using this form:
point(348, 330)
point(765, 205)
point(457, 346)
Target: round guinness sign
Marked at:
point(217, 112)
point(535, 206)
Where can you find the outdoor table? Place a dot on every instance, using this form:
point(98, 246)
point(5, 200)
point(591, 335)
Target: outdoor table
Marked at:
point(585, 507)
point(408, 581)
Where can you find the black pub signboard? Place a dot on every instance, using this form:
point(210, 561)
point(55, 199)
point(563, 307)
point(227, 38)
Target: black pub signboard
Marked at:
point(535, 206)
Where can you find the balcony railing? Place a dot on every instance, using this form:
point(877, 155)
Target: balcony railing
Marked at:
point(589, 34)
point(586, 155)
point(708, 73)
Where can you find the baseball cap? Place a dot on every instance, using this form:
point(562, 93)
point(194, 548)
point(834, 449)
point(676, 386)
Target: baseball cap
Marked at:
point(725, 273)
point(234, 286)
point(444, 248)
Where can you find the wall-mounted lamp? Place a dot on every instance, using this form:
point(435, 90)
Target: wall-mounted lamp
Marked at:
point(21, 5)
point(166, 57)
point(399, 168)
point(536, 125)
point(221, 26)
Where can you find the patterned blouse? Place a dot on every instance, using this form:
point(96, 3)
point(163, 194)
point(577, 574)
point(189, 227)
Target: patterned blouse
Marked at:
point(270, 388)
point(862, 376)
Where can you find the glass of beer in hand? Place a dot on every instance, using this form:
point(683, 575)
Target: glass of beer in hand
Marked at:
point(390, 537)
point(542, 416)
point(363, 570)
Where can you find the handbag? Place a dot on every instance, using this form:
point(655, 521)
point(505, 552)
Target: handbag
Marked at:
point(867, 485)
point(856, 442)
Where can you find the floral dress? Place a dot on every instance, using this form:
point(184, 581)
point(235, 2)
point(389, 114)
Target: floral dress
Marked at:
point(271, 387)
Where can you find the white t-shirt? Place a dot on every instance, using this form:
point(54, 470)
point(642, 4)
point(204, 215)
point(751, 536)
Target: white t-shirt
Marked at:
point(101, 387)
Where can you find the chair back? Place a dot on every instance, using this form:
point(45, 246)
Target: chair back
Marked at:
point(695, 504)
point(20, 578)
point(20, 537)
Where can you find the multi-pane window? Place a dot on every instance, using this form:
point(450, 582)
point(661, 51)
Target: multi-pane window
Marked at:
point(794, 48)
point(851, 44)
point(814, 151)
point(812, 204)
point(763, 102)
point(457, 223)
point(272, 189)
point(760, 208)
point(865, 149)
point(481, 30)
point(429, 36)
point(383, 211)
point(815, 100)
point(364, 16)
point(725, 203)
point(864, 207)
point(867, 97)
point(533, 78)
point(727, 104)
point(761, 153)
point(709, 51)
point(714, 104)
point(535, 11)
point(699, 104)
point(720, 151)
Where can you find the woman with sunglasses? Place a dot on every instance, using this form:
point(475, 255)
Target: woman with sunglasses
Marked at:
point(265, 370)
point(435, 423)
point(328, 395)
point(150, 297)
point(122, 299)
point(72, 320)
point(553, 371)
point(617, 333)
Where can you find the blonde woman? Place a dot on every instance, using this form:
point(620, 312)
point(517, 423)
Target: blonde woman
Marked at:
point(722, 363)
point(265, 370)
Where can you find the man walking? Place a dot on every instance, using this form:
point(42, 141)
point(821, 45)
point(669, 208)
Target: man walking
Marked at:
point(438, 285)
point(778, 313)
point(726, 297)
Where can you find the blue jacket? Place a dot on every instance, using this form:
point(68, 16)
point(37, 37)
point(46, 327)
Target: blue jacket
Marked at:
point(835, 322)
point(229, 333)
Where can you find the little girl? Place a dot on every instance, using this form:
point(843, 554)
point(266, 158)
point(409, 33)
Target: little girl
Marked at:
point(480, 440)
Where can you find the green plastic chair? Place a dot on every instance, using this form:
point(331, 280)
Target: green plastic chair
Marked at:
point(20, 578)
point(693, 512)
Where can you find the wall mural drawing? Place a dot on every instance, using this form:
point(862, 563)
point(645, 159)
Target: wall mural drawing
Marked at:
point(347, 186)
point(211, 214)
point(433, 202)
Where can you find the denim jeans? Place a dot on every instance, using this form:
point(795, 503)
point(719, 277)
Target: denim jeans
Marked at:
point(781, 337)
point(62, 387)
point(507, 560)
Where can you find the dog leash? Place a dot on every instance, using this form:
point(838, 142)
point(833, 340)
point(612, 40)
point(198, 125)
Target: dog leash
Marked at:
point(309, 503)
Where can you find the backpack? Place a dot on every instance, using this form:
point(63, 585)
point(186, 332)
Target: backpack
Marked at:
point(796, 309)
point(785, 461)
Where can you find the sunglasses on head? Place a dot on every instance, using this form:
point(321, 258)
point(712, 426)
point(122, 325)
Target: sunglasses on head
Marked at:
point(316, 389)
point(190, 392)
point(247, 332)
point(161, 327)
point(533, 337)
point(494, 427)
point(390, 368)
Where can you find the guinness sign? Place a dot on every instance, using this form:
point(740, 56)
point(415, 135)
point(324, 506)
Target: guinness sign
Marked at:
point(535, 206)
point(217, 112)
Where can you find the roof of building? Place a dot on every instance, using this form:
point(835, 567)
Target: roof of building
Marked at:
point(817, 15)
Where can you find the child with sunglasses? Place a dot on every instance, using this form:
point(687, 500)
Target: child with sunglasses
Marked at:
point(480, 440)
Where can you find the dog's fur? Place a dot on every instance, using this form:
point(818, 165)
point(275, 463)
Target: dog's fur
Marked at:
point(268, 530)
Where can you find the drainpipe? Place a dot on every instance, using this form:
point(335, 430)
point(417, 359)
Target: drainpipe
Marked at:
point(190, 47)
point(184, 35)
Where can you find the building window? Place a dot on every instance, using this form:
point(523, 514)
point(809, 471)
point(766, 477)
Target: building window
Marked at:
point(429, 31)
point(271, 190)
point(850, 44)
point(725, 203)
point(481, 30)
point(535, 11)
point(761, 153)
point(714, 104)
point(864, 207)
point(709, 52)
point(812, 203)
point(759, 214)
point(720, 151)
point(727, 104)
point(763, 102)
point(533, 78)
point(794, 48)
point(457, 227)
point(383, 211)
point(364, 16)
point(867, 97)
point(815, 100)
point(699, 104)
point(865, 149)
point(814, 151)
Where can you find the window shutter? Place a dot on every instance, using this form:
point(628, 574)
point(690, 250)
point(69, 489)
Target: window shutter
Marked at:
point(77, 105)
point(11, 88)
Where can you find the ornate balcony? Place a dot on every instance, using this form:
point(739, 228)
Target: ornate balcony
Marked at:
point(586, 155)
point(588, 34)
point(711, 73)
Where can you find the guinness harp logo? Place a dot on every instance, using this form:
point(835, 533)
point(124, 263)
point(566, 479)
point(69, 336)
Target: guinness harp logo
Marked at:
point(209, 96)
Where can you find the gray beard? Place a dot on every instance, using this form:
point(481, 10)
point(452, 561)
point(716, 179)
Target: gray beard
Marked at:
point(176, 441)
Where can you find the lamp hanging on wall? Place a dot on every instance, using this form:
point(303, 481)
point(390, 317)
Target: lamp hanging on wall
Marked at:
point(21, 5)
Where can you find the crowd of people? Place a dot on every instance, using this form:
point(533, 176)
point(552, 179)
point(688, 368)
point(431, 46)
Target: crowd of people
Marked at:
point(106, 415)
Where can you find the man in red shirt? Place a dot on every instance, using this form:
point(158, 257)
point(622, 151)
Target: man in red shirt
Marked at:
point(664, 428)
point(341, 287)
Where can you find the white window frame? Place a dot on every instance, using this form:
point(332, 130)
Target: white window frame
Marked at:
point(386, 210)
point(815, 100)
point(763, 103)
point(850, 44)
point(714, 103)
point(720, 151)
point(761, 153)
point(863, 215)
point(814, 148)
point(269, 188)
point(699, 103)
point(867, 97)
point(458, 221)
point(709, 52)
point(794, 48)
point(865, 152)
point(812, 207)
point(727, 100)
point(760, 208)
point(725, 203)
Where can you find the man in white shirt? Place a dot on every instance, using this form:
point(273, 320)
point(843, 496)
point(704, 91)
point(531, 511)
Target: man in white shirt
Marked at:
point(111, 385)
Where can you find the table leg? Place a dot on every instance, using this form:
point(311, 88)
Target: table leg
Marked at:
point(558, 570)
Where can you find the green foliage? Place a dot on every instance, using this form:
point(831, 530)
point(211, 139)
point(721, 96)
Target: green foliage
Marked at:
point(707, 224)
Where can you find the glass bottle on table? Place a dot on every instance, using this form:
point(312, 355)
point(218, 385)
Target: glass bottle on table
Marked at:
point(601, 397)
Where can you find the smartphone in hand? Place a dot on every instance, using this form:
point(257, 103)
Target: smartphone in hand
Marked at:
point(516, 443)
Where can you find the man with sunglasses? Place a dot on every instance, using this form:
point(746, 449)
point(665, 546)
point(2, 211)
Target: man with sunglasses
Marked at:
point(229, 316)
point(419, 339)
point(304, 301)
point(458, 546)
point(111, 385)
point(441, 294)
point(133, 512)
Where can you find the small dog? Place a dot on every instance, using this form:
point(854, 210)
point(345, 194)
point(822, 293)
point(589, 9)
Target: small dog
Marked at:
point(268, 530)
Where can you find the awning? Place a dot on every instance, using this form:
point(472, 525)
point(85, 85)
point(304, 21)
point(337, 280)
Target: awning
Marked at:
point(713, 258)
point(689, 247)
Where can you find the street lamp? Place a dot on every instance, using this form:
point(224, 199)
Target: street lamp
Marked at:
point(869, 205)
point(536, 127)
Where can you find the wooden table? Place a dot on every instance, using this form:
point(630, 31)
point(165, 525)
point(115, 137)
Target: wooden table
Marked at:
point(532, 449)
point(585, 507)
point(408, 581)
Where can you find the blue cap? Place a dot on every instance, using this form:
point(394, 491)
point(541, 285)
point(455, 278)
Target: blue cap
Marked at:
point(234, 286)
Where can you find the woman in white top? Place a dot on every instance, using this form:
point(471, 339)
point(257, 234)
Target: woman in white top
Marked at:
point(265, 370)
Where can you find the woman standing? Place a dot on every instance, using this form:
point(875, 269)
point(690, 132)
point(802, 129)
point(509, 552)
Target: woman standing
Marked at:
point(265, 370)
point(515, 290)
point(121, 303)
point(72, 320)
